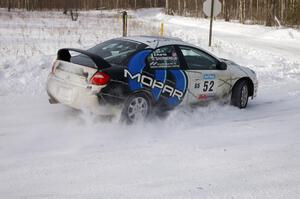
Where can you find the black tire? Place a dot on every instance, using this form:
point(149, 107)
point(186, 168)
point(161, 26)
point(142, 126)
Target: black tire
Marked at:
point(136, 108)
point(240, 94)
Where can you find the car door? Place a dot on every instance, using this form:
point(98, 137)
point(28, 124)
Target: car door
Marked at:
point(170, 80)
point(206, 79)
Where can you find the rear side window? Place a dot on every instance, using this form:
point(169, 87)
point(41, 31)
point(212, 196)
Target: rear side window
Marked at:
point(163, 58)
point(116, 51)
point(198, 60)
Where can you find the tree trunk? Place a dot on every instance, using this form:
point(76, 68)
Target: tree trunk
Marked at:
point(269, 13)
point(251, 9)
point(167, 6)
point(241, 12)
point(282, 8)
point(274, 6)
point(179, 7)
point(226, 10)
point(223, 8)
point(244, 10)
point(9, 5)
point(184, 7)
point(196, 7)
point(257, 8)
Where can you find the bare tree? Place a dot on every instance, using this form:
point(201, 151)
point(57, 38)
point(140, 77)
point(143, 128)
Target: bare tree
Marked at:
point(184, 7)
point(167, 7)
point(259, 11)
point(179, 7)
point(269, 12)
point(251, 9)
point(196, 7)
point(9, 5)
point(241, 16)
point(225, 10)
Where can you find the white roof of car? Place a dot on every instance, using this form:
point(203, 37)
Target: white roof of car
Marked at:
point(156, 41)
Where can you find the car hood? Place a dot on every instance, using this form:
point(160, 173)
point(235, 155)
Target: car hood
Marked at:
point(236, 68)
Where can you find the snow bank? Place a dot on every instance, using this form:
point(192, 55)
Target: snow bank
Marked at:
point(283, 34)
point(29, 42)
point(218, 151)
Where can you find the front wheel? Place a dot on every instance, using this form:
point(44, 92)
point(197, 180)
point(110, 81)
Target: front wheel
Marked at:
point(136, 108)
point(240, 95)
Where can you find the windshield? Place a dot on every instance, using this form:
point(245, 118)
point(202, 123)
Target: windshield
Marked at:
point(116, 51)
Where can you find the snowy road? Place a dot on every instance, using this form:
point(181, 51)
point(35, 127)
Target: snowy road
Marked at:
point(49, 151)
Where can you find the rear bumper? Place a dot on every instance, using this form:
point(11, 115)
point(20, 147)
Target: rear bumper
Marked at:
point(81, 97)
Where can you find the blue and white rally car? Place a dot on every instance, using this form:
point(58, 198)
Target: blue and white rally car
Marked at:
point(138, 75)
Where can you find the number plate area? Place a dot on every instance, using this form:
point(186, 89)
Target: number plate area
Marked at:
point(65, 94)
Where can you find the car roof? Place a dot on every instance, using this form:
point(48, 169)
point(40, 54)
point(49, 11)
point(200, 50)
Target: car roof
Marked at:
point(157, 41)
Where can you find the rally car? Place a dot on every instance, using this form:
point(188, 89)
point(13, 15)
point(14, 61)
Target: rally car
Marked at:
point(140, 74)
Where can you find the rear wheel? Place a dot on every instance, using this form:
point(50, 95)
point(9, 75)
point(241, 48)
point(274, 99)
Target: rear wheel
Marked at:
point(136, 108)
point(240, 94)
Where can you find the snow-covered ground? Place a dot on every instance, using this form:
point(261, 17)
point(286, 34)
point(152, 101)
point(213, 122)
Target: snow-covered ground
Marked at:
point(51, 151)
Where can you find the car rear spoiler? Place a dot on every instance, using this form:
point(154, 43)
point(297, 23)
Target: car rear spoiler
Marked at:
point(64, 55)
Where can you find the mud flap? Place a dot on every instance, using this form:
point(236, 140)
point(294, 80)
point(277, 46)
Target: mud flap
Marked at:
point(53, 101)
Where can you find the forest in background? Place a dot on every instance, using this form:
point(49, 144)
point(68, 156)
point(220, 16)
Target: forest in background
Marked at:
point(268, 12)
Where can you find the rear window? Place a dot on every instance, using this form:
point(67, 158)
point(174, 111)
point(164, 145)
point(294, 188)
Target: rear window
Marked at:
point(116, 51)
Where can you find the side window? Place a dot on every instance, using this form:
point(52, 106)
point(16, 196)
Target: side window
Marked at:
point(163, 58)
point(198, 60)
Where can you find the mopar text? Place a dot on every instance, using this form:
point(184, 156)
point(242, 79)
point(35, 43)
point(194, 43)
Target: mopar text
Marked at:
point(152, 83)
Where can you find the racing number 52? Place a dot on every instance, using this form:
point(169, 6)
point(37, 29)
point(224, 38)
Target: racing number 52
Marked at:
point(208, 86)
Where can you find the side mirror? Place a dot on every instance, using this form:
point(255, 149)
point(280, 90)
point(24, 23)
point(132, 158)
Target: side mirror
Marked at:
point(222, 66)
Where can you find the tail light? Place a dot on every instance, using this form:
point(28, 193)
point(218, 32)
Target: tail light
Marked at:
point(100, 78)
